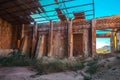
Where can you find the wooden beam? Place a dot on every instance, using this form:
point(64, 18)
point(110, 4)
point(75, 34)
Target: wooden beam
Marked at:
point(70, 40)
point(93, 37)
point(50, 47)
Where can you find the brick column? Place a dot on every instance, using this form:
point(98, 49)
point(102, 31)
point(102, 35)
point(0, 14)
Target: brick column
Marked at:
point(93, 37)
point(50, 47)
point(70, 39)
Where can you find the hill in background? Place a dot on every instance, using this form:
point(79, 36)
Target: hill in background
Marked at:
point(105, 49)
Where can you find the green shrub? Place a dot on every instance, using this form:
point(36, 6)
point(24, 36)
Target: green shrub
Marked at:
point(16, 59)
point(56, 66)
point(77, 66)
point(50, 67)
point(93, 66)
point(118, 57)
point(87, 78)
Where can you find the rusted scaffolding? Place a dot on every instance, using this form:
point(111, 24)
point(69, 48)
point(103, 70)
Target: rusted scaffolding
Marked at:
point(20, 11)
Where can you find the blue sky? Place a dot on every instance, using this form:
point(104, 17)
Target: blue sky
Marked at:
point(100, 42)
point(107, 7)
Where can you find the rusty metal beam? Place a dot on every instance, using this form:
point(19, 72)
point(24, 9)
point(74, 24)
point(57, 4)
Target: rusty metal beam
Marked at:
point(61, 14)
point(34, 7)
point(68, 7)
point(58, 18)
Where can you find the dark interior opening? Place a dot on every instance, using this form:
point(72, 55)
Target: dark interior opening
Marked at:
point(78, 44)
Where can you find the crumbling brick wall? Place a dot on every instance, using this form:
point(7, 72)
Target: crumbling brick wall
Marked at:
point(60, 38)
point(8, 35)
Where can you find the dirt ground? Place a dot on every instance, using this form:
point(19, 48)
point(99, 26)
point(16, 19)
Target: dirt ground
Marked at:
point(110, 74)
point(109, 70)
point(26, 73)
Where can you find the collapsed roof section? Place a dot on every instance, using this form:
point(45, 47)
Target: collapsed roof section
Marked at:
point(67, 8)
point(27, 11)
point(61, 16)
point(19, 11)
point(79, 15)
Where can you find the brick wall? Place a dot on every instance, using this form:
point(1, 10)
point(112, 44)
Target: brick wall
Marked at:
point(9, 35)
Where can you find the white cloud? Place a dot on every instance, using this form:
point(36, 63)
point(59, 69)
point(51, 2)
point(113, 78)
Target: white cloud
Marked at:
point(101, 44)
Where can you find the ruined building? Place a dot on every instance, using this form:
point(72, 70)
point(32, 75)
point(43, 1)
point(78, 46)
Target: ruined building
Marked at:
point(67, 37)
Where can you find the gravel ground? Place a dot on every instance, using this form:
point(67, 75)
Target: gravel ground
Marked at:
point(110, 74)
point(110, 71)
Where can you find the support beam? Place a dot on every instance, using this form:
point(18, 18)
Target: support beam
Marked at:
point(41, 48)
point(38, 46)
point(50, 47)
point(93, 37)
point(112, 42)
point(25, 45)
point(22, 37)
point(23, 30)
point(85, 41)
point(118, 40)
point(34, 40)
point(70, 40)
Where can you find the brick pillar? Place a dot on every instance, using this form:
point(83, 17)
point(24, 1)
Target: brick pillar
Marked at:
point(50, 47)
point(93, 37)
point(70, 40)
point(85, 40)
point(34, 40)
point(41, 47)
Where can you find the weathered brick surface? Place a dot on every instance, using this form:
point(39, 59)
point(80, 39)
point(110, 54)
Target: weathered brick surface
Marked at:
point(8, 35)
point(60, 38)
point(5, 52)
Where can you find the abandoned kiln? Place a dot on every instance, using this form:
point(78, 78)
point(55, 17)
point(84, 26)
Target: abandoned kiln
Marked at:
point(57, 32)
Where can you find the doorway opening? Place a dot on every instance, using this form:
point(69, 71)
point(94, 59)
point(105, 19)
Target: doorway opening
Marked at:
point(78, 44)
